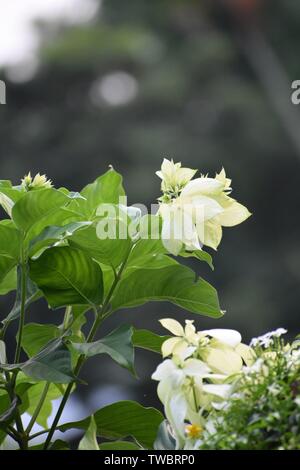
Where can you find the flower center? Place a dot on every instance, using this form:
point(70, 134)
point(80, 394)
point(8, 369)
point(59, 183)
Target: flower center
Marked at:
point(193, 430)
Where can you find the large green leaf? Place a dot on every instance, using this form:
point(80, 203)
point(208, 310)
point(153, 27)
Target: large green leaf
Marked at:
point(146, 339)
point(174, 283)
point(107, 251)
point(52, 364)
point(9, 248)
point(124, 419)
point(105, 189)
point(36, 336)
point(68, 276)
point(117, 345)
point(37, 205)
point(54, 234)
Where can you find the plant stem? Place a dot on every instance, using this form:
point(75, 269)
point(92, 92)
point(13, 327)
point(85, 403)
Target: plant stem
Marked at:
point(100, 315)
point(38, 408)
point(22, 310)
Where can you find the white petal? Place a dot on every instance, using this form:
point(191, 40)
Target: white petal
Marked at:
point(164, 370)
point(173, 326)
point(234, 214)
point(169, 346)
point(230, 337)
point(202, 207)
point(202, 186)
point(176, 414)
point(221, 390)
point(195, 367)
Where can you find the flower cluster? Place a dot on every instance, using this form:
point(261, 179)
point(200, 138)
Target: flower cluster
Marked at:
point(261, 406)
point(39, 181)
point(195, 210)
point(198, 375)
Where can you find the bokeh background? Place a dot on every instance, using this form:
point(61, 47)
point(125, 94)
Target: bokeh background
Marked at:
point(208, 82)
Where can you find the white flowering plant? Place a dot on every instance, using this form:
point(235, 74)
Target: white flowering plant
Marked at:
point(247, 398)
point(89, 254)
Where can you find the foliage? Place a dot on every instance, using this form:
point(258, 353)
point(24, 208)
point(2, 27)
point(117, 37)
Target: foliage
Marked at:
point(87, 251)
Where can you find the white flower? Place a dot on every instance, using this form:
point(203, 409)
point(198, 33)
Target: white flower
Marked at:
point(266, 340)
point(194, 211)
point(173, 176)
point(38, 182)
point(185, 340)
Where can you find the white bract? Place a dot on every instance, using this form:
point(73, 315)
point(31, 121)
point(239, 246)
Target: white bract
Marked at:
point(199, 374)
point(194, 211)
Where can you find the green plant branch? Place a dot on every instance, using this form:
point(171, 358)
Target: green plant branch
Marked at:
point(99, 316)
point(22, 310)
point(38, 408)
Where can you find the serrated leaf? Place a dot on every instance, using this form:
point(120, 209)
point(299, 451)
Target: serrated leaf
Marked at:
point(68, 276)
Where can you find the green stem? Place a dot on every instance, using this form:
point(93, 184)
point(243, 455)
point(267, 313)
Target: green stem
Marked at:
point(67, 316)
point(38, 408)
point(100, 315)
point(22, 311)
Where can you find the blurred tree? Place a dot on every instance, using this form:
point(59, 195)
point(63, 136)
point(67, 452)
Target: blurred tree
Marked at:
point(177, 78)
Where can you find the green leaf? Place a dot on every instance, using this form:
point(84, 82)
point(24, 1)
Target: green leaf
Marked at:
point(89, 440)
point(199, 254)
point(54, 234)
point(9, 195)
point(52, 364)
point(148, 340)
point(119, 445)
point(117, 345)
point(9, 248)
point(124, 419)
point(35, 206)
point(9, 283)
point(68, 276)
point(175, 283)
point(32, 294)
point(8, 415)
point(31, 398)
point(105, 189)
point(36, 336)
point(107, 251)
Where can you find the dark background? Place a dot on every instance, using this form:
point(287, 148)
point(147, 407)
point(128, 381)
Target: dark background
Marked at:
point(207, 83)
